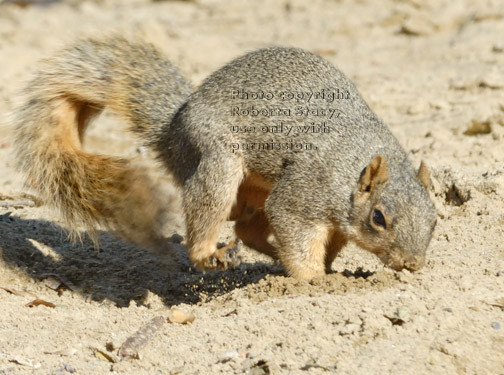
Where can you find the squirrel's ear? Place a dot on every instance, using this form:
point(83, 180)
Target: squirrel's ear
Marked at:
point(374, 174)
point(423, 175)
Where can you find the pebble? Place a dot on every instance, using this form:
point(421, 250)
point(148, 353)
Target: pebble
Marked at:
point(416, 27)
point(403, 314)
point(495, 325)
point(228, 356)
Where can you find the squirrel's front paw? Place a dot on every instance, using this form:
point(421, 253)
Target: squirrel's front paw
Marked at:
point(226, 256)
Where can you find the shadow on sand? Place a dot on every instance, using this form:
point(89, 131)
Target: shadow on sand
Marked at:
point(119, 272)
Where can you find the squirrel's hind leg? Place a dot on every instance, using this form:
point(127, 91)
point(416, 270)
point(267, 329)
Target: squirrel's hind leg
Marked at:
point(255, 232)
point(251, 224)
point(336, 242)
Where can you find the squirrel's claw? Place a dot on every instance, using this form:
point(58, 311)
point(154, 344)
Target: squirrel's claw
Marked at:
point(225, 257)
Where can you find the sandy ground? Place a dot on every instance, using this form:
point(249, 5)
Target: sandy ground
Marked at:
point(433, 70)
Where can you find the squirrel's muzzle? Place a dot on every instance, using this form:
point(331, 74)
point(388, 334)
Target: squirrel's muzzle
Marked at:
point(399, 262)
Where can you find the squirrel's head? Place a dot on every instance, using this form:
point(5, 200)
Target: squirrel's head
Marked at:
point(393, 217)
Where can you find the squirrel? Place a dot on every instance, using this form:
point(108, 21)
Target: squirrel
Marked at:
point(278, 141)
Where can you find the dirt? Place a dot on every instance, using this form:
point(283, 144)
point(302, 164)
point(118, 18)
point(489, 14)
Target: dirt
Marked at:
point(432, 70)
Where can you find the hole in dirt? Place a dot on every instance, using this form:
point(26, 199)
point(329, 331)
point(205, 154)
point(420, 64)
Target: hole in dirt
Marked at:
point(456, 196)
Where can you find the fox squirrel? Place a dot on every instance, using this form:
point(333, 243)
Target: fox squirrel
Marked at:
point(278, 140)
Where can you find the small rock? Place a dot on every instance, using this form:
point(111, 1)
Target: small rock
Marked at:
point(497, 48)
point(416, 27)
point(228, 356)
point(478, 127)
point(68, 368)
point(495, 325)
point(180, 317)
point(401, 316)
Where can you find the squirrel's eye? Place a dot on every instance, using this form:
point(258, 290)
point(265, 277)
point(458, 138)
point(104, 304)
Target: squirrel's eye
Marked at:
point(379, 219)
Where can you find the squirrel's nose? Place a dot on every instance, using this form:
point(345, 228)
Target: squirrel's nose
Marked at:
point(411, 263)
point(414, 263)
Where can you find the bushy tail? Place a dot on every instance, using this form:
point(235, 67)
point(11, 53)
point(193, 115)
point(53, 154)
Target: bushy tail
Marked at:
point(135, 82)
